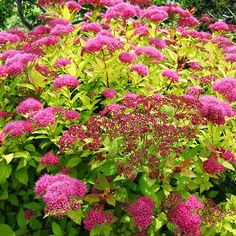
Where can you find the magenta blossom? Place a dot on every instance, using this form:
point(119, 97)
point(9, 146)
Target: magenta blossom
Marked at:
point(65, 81)
point(29, 105)
point(109, 93)
point(171, 74)
point(49, 159)
point(141, 69)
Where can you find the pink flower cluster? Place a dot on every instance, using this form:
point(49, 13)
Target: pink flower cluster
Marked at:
point(96, 217)
point(18, 128)
point(194, 91)
point(73, 6)
point(154, 14)
point(215, 110)
point(122, 10)
point(17, 63)
point(57, 192)
point(44, 117)
point(158, 43)
point(142, 211)
point(127, 57)
point(49, 159)
point(150, 52)
point(109, 93)
point(226, 87)
point(219, 26)
point(65, 81)
point(171, 74)
point(62, 62)
point(141, 69)
point(8, 37)
point(188, 22)
point(182, 215)
point(93, 26)
point(103, 39)
point(29, 105)
point(211, 166)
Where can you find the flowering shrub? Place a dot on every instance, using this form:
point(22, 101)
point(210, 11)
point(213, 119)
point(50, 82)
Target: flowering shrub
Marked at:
point(121, 124)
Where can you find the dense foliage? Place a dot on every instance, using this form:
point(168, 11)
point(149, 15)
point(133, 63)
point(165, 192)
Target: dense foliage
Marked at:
point(121, 124)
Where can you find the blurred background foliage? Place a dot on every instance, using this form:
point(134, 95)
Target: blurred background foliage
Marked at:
point(10, 17)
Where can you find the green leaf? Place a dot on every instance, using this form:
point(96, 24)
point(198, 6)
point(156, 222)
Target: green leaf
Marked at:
point(21, 221)
point(56, 228)
point(5, 172)
point(102, 182)
point(22, 176)
point(212, 194)
point(76, 216)
point(23, 154)
point(96, 164)
point(121, 194)
point(8, 157)
point(33, 206)
point(30, 148)
point(111, 200)
point(113, 148)
point(12, 198)
point(74, 161)
point(6, 230)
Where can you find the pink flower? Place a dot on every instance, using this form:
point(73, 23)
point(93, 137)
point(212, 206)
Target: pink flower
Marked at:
point(60, 30)
point(29, 214)
point(62, 62)
point(109, 93)
point(40, 30)
point(72, 115)
point(187, 222)
point(49, 159)
point(193, 203)
point(194, 91)
point(226, 87)
point(215, 110)
point(154, 14)
point(188, 22)
point(20, 33)
point(112, 108)
point(122, 10)
point(127, 57)
point(8, 37)
point(222, 42)
point(73, 6)
point(58, 192)
point(211, 166)
point(65, 81)
point(47, 41)
point(141, 31)
point(195, 65)
point(159, 43)
point(44, 117)
point(142, 212)
point(93, 26)
point(44, 70)
point(219, 26)
point(101, 40)
point(151, 52)
point(61, 21)
point(141, 69)
point(29, 105)
point(3, 71)
point(8, 54)
point(95, 217)
point(18, 128)
point(171, 74)
point(231, 57)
